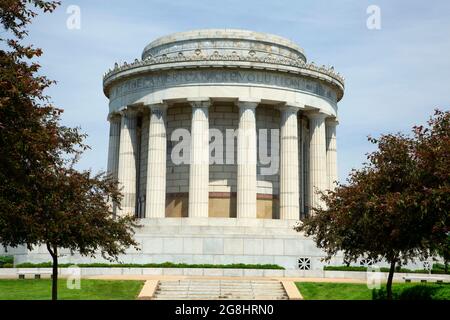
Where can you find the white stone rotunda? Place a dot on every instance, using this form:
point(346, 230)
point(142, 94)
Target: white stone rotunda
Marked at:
point(235, 204)
point(201, 211)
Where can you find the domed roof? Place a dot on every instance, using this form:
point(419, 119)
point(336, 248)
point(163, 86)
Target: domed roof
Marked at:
point(224, 41)
point(226, 50)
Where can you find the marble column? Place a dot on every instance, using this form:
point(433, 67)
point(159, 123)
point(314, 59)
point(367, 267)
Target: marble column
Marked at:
point(155, 197)
point(303, 165)
point(199, 160)
point(332, 173)
point(317, 159)
point(246, 160)
point(113, 149)
point(289, 166)
point(127, 162)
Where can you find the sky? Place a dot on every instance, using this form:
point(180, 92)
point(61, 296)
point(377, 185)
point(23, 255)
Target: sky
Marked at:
point(395, 76)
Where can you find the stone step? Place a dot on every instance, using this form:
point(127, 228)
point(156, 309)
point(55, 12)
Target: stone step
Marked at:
point(249, 296)
point(218, 281)
point(219, 289)
point(222, 298)
point(221, 284)
point(174, 292)
point(218, 285)
point(212, 287)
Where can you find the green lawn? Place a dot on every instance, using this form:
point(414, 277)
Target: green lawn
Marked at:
point(90, 290)
point(352, 291)
point(334, 291)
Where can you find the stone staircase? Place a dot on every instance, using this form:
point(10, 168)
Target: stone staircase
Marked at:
point(220, 290)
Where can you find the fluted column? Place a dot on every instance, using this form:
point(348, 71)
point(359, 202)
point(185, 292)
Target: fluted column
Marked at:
point(199, 160)
point(113, 149)
point(332, 172)
point(127, 162)
point(303, 166)
point(318, 159)
point(246, 160)
point(289, 166)
point(155, 198)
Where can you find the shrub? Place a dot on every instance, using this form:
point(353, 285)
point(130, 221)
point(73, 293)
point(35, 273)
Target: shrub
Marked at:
point(383, 269)
point(417, 292)
point(345, 268)
point(153, 265)
point(6, 260)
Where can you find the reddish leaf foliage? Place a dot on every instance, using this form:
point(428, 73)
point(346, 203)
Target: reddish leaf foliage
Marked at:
point(43, 200)
point(397, 206)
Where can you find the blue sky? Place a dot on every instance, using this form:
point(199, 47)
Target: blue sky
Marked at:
point(395, 76)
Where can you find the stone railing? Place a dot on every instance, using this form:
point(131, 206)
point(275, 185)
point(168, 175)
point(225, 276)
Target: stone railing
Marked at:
point(216, 56)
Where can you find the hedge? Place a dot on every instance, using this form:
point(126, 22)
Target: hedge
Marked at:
point(153, 265)
point(435, 269)
point(6, 261)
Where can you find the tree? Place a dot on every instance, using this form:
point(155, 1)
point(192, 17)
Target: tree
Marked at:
point(75, 214)
point(43, 199)
point(443, 250)
point(396, 207)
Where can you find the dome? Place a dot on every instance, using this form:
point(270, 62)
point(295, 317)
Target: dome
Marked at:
point(223, 42)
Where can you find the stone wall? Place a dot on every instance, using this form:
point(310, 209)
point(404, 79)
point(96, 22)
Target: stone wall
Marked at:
point(178, 117)
point(177, 181)
point(210, 241)
point(268, 118)
point(223, 177)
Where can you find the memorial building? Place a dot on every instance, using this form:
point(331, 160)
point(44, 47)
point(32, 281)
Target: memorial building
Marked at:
point(220, 139)
point(240, 84)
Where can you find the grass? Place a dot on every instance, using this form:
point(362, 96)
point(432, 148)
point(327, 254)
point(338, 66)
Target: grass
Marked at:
point(334, 291)
point(153, 265)
point(357, 291)
point(90, 290)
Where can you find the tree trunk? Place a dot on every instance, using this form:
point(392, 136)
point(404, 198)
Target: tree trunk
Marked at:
point(54, 253)
point(389, 280)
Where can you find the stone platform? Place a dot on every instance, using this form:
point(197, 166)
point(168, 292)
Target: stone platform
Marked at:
point(212, 241)
point(208, 241)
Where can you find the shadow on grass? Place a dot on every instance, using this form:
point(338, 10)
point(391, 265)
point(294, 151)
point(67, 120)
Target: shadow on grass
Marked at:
point(417, 292)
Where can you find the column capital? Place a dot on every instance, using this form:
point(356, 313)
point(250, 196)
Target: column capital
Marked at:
point(114, 117)
point(332, 121)
point(247, 104)
point(158, 108)
point(129, 112)
point(200, 103)
point(288, 108)
point(316, 115)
